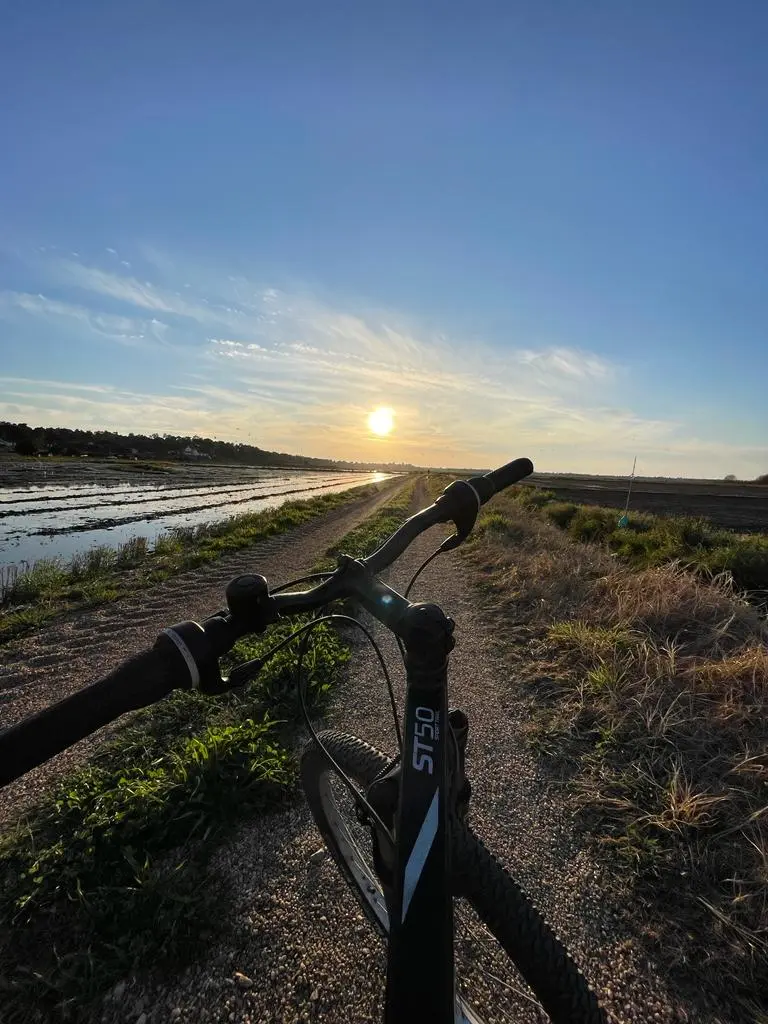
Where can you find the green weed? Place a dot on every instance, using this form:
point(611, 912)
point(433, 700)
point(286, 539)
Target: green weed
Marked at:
point(132, 553)
point(97, 561)
point(46, 576)
point(561, 513)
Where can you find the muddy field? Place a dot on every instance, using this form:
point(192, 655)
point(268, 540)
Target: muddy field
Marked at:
point(735, 506)
point(58, 509)
point(47, 472)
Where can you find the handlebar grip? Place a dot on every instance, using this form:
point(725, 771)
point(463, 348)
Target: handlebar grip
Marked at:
point(507, 475)
point(486, 486)
point(140, 681)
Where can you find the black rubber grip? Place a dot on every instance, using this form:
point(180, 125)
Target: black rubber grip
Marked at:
point(486, 486)
point(136, 683)
point(510, 474)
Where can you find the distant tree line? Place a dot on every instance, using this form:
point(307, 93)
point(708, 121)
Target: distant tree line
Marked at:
point(26, 440)
point(733, 479)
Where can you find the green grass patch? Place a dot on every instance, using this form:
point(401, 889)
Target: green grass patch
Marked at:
point(110, 874)
point(494, 525)
point(590, 643)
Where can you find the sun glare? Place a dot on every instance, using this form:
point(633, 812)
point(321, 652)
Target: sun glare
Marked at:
point(381, 421)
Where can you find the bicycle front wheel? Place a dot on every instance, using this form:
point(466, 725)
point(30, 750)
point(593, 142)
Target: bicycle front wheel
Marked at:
point(524, 935)
point(504, 908)
point(344, 837)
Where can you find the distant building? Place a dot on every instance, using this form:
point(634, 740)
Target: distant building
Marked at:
point(190, 452)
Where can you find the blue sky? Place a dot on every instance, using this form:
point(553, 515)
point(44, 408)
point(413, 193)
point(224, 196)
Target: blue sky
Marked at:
point(529, 228)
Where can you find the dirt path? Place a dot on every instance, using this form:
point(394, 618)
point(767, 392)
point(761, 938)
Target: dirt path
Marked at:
point(74, 651)
point(296, 933)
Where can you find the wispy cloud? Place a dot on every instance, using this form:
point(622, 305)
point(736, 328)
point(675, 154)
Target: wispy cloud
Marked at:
point(293, 373)
point(124, 329)
point(28, 384)
point(116, 286)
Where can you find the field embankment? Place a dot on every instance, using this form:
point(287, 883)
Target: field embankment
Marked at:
point(648, 693)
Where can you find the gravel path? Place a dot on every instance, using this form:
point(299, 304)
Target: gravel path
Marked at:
point(300, 950)
point(74, 651)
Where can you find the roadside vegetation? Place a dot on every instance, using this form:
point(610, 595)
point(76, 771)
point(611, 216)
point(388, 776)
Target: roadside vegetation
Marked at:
point(52, 586)
point(110, 874)
point(647, 685)
point(648, 540)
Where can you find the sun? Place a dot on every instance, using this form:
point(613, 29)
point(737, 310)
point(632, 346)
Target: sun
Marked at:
point(381, 421)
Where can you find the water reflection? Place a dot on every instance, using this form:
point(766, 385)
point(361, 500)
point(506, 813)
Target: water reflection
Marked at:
point(81, 517)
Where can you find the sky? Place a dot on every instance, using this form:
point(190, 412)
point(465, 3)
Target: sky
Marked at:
point(528, 228)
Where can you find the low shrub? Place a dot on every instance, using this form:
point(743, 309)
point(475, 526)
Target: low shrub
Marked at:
point(561, 513)
point(531, 496)
point(592, 523)
point(745, 559)
point(646, 540)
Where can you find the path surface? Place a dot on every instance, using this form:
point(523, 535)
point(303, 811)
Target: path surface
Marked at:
point(73, 652)
point(297, 936)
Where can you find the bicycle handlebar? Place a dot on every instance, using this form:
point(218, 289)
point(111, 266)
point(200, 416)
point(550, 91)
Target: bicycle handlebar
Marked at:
point(459, 503)
point(142, 680)
point(186, 656)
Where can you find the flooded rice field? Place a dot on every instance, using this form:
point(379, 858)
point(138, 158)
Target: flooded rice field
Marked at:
point(58, 520)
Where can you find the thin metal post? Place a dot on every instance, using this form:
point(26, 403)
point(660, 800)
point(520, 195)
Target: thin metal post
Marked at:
point(623, 521)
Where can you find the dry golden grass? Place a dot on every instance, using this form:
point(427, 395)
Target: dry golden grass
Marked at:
point(656, 699)
point(670, 604)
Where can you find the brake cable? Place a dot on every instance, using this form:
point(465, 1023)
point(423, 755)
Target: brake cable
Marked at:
point(421, 568)
point(337, 617)
point(357, 796)
point(242, 673)
point(303, 579)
